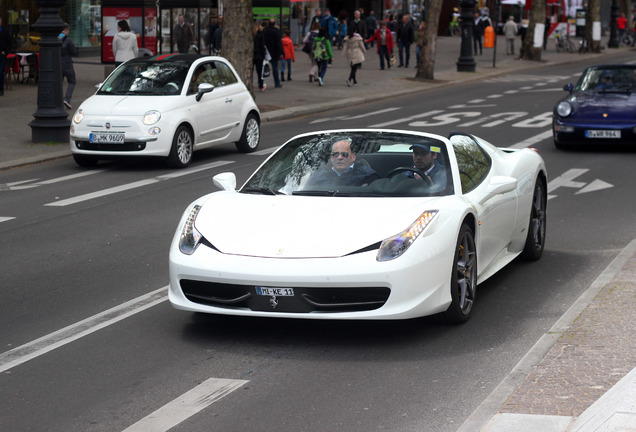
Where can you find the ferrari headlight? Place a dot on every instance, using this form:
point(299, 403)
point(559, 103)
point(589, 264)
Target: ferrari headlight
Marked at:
point(395, 246)
point(151, 117)
point(190, 237)
point(564, 108)
point(79, 116)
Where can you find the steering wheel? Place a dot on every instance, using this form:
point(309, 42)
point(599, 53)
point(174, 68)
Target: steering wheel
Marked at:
point(172, 86)
point(399, 170)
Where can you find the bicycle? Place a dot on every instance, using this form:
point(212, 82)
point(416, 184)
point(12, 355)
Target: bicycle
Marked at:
point(563, 43)
point(629, 38)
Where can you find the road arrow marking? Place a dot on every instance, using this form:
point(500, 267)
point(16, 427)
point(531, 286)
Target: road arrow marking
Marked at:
point(595, 186)
point(567, 179)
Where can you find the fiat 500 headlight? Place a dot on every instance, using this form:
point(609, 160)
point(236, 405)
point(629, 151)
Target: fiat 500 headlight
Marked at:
point(395, 246)
point(151, 117)
point(564, 108)
point(79, 116)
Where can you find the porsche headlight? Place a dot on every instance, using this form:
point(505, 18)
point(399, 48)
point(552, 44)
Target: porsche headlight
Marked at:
point(564, 108)
point(395, 246)
point(79, 116)
point(190, 237)
point(151, 117)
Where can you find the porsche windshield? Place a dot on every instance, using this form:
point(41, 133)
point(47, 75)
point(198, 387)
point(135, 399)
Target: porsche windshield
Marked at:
point(377, 164)
point(146, 78)
point(608, 79)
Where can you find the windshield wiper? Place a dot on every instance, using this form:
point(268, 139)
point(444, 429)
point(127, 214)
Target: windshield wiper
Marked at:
point(262, 190)
point(322, 193)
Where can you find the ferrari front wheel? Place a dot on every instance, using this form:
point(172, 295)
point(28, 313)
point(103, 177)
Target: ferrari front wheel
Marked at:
point(535, 240)
point(463, 284)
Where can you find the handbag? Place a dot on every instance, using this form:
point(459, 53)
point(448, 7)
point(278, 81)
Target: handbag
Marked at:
point(392, 60)
point(268, 56)
point(306, 48)
point(267, 69)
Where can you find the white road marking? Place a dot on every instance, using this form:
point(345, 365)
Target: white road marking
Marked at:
point(187, 405)
point(533, 140)
point(36, 348)
point(406, 119)
point(6, 218)
point(595, 186)
point(346, 117)
point(22, 184)
point(264, 152)
point(567, 179)
point(134, 185)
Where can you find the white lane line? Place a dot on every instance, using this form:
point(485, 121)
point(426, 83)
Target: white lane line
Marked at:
point(21, 185)
point(406, 119)
point(533, 140)
point(264, 152)
point(186, 405)
point(6, 218)
point(134, 185)
point(38, 347)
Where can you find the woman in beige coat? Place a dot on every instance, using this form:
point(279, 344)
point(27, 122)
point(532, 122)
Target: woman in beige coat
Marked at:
point(354, 53)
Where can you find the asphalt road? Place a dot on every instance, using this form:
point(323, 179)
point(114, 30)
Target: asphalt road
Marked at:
point(77, 243)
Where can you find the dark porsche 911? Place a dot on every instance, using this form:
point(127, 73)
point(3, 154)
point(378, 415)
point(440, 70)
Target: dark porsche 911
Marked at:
point(599, 109)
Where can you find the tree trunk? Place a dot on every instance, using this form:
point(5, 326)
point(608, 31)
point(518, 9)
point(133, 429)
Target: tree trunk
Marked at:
point(592, 23)
point(238, 38)
point(426, 66)
point(533, 42)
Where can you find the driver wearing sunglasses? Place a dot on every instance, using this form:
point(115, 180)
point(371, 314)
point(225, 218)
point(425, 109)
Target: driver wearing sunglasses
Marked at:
point(342, 168)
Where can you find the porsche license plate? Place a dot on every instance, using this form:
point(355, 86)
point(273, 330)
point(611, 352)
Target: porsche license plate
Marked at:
point(279, 292)
point(107, 137)
point(602, 134)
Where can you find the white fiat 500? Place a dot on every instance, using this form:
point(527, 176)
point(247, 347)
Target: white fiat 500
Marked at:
point(361, 224)
point(165, 106)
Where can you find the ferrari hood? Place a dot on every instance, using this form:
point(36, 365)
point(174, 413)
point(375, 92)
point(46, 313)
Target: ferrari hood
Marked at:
point(605, 106)
point(304, 227)
point(105, 105)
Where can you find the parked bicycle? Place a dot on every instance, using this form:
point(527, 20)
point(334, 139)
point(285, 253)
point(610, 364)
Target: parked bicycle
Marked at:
point(629, 38)
point(563, 43)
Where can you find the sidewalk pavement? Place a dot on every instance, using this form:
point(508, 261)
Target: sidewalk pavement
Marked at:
point(581, 376)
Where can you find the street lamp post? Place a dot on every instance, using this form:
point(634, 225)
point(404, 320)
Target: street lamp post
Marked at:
point(50, 123)
point(614, 40)
point(466, 62)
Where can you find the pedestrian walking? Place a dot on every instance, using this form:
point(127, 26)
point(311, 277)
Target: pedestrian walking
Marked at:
point(372, 25)
point(342, 32)
point(385, 43)
point(274, 45)
point(217, 39)
point(419, 44)
point(510, 30)
point(354, 54)
point(183, 34)
point(322, 53)
point(307, 48)
point(5, 47)
point(259, 55)
point(289, 57)
point(69, 50)
point(124, 43)
point(405, 36)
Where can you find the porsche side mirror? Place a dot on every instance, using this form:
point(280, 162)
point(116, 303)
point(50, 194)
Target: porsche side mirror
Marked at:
point(568, 87)
point(204, 88)
point(225, 181)
point(499, 185)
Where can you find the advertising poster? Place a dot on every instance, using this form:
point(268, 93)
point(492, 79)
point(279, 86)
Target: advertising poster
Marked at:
point(111, 16)
point(150, 28)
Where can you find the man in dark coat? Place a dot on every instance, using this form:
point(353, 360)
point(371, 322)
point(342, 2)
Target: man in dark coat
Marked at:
point(5, 47)
point(275, 48)
point(405, 36)
point(68, 71)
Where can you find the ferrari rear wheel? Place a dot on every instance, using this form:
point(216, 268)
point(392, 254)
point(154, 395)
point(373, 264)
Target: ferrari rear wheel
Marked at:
point(463, 279)
point(535, 240)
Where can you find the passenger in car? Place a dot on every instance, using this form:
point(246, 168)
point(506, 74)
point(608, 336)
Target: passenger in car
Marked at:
point(424, 160)
point(343, 169)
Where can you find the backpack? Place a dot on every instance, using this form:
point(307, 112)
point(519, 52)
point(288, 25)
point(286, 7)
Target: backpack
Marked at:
point(320, 50)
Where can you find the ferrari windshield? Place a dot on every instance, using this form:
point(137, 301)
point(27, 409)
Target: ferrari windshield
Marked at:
point(146, 78)
point(612, 78)
point(359, 163)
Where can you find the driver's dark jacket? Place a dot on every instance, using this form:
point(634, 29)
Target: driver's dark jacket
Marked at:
point(357, 175)
point(437, 174)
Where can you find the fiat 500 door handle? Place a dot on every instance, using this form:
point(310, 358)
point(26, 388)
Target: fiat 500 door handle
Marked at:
point(228, 100)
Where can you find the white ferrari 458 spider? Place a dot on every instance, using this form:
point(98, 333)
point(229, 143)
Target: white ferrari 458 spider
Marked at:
point(361, 224)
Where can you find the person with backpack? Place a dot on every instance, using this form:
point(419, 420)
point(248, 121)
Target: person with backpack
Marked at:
point(307, 48)
point(321, 51)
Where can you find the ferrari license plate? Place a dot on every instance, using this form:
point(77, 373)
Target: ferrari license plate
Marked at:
point(602, 134)
point(107, 137)
point(279, 292)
